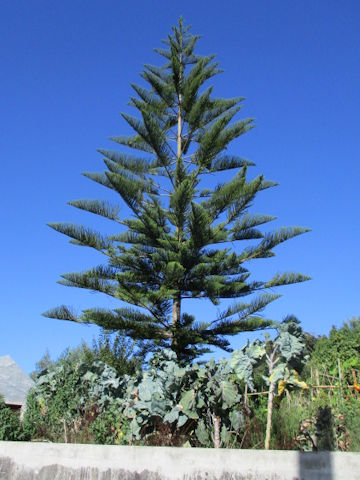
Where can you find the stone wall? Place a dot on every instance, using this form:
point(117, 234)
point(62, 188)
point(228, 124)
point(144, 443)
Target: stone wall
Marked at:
point(48, 461)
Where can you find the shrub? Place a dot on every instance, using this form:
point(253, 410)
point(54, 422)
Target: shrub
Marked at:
point(10, 427)
point(110, 427)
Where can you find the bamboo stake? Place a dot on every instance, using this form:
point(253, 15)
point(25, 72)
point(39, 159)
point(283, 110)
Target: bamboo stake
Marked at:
point(258, 393)
point(340, 382)
point(312, 389)
point(317, 380)
point(313, 386)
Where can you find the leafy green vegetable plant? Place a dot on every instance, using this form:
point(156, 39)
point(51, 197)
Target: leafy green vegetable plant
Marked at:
point(285, 358)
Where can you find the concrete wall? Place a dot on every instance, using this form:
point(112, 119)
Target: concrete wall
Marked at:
point(47, 461)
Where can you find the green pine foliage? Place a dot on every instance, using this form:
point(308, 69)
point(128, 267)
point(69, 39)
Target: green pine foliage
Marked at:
point(182, 239)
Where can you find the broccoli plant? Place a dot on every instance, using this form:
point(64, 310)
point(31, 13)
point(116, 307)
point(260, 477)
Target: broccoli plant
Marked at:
point(199, 402)
point(285, 359)
point(209, 401)
point(153, 396)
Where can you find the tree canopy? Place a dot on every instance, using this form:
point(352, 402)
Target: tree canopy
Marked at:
point(187, 232)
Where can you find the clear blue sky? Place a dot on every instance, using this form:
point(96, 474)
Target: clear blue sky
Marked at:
point(66, 69)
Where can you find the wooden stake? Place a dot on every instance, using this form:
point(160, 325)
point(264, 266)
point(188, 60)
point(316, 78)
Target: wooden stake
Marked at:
point(312, 388)
point(317, 380)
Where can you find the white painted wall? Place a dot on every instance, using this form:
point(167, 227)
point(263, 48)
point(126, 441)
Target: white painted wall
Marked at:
point(49, 461)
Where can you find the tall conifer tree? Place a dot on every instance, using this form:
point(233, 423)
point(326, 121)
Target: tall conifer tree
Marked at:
point(172, 246)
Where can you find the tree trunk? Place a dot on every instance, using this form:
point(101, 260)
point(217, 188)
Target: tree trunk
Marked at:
point(176, 312)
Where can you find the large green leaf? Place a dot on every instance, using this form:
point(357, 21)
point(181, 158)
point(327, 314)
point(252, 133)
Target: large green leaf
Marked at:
point(172, 416)
point(188, 404)
point(202, 433)
point(229, 394)
point(236, 419)
point(243, 361)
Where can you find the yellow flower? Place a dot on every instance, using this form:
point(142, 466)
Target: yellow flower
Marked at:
point(281, 386)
